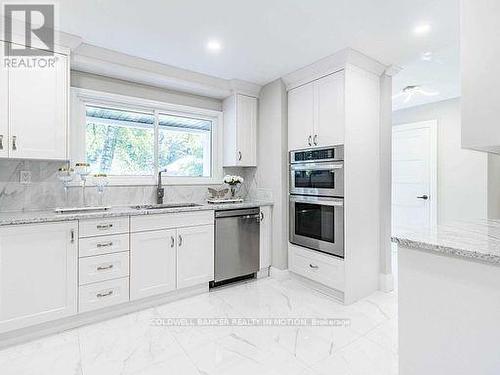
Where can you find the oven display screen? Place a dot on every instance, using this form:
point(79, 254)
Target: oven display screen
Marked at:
point(315, 179)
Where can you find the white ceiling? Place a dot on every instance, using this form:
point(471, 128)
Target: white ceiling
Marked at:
point(262, 39)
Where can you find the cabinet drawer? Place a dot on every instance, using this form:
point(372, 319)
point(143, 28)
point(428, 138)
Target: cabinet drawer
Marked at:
point(99, 227)
point(169, 221)
point(103, 267)
point(103, 245)
point(103, 294)
point(321, 268)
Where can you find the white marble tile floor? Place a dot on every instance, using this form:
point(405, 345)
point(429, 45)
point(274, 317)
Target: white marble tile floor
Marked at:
point(134, 345)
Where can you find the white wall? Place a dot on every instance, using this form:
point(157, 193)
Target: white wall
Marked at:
point(462, 174)
point(272, 163)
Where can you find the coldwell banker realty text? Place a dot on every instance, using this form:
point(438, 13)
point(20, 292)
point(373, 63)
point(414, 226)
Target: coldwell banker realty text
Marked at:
point(29, 33)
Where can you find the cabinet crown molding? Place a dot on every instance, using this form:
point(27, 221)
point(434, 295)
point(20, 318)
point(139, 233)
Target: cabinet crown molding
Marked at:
point(332, 64)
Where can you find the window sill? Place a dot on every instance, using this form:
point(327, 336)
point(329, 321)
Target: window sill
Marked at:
point(152, 181)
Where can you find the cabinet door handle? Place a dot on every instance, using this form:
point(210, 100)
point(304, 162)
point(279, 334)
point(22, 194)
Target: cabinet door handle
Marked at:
point(313, 266)
point(239, 155)
point(106, 244)
point(72, 236)
point(102, 295)
point(172, 241)
point(180, 240)
point(261, 216)
point(1, 141)
point(104, 268)
point(309, 139)
point(104, 226)
point(315, 139)
point(14, 143)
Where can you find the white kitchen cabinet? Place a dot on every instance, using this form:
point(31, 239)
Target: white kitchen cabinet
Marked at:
point(195, 255)
point(316, 113)
point(152, 263)
point(240, 131)
point(38, 273)
point(300, 116)
point(265, 236)
point(4, 124)
point(38, 111)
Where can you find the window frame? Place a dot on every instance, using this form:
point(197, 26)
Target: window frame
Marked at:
point(82, 97)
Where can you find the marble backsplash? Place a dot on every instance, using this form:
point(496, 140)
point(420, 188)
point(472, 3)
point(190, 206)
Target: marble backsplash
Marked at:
point(46, 192)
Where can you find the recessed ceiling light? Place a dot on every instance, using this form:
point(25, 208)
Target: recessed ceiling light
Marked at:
point(410, 91)
point(214, 45)
point(426, 56)
point(422, 29)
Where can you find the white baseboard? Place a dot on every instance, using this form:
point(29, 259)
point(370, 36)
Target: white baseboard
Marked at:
point(386, 282)
point(279, 274)
point(329, 292)
point(264, 272)
point(57, 326)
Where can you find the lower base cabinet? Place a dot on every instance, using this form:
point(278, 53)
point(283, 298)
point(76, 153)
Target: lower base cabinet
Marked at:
point(38, 273)
point(152, 263)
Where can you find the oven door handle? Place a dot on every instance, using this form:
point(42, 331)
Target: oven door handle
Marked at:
point(320, 201)
point(316, 167)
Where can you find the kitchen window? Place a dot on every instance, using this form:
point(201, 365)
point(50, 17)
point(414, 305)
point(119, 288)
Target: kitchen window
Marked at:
point(131, 139)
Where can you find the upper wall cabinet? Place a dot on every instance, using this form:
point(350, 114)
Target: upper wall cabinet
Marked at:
point(240, 131)
point(480, 75)
point(34, 116)
point(316, 113)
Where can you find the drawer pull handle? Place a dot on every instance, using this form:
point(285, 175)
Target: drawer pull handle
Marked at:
point(105, 244)
point(313, 266)
point(104, 268)
point(104, 226)
point(102, 295)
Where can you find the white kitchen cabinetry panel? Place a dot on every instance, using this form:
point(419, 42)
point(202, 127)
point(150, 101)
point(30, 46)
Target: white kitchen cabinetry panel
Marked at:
point(170, 221)
point(99, 295)
point(195, 255)
point(324, 269)
point(101, 245)
point(38, 111)
point(4, 118)
point(300, 117)
point(38, 273)
point(100, 227)
point(240, 131)
point(103, 267)
point(329, 111)
point(152, 263)
point(316, 113)
point(265, 236)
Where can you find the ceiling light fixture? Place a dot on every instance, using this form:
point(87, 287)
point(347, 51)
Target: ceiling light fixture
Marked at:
point(422, 29)
point(410, 91)
point(426, 56)
point(214, 45)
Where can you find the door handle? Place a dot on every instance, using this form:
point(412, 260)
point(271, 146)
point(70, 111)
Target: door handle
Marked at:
point(14, 143)
point(315, 140)
point(424, 197)
point(172, 241)
point(239, 155)
point(1, 141)
point(309, 140)
point(180, 240)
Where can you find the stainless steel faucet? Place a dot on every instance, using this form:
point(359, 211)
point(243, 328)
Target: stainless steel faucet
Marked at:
point(160, 191)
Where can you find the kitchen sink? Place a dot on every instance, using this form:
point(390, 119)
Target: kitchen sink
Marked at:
point(164, 205)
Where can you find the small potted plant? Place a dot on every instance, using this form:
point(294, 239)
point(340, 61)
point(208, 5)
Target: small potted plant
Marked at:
point(233, 182)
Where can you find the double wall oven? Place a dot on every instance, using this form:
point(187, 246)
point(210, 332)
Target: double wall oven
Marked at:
point(317, 199)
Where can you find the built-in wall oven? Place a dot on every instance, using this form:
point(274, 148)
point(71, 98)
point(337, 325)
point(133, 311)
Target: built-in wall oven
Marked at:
point(317, 199)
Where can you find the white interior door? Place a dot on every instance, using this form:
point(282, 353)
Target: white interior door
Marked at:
point(414, 175)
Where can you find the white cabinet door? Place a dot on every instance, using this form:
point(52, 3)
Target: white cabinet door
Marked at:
point(329, 110)
point(38, 273)
point(4, 125)
point(38, 101)
point(152, 263)
point(195, 255)
point(246, 119)
point(300, 117)
point(265, 236)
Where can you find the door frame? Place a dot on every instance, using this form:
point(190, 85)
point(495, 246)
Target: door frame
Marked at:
point(432, 126)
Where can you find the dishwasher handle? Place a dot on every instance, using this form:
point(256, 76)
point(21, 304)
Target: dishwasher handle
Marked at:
point(256, 216)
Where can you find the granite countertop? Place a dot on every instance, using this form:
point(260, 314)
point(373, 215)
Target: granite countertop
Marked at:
point(31, 217)
point(472, 240)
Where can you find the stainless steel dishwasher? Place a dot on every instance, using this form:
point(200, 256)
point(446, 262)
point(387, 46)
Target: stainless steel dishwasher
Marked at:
point(237, 246)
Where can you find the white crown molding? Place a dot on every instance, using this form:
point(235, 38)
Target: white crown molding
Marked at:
point(109, 63)
point(393, 70)
point(332, 64)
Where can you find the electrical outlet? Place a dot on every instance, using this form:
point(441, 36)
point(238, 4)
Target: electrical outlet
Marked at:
point(25, 177)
